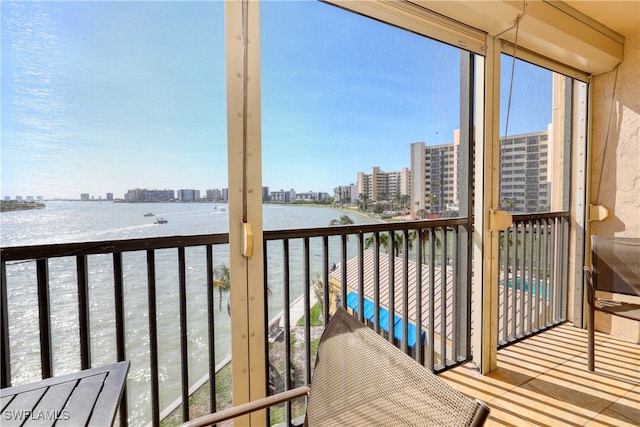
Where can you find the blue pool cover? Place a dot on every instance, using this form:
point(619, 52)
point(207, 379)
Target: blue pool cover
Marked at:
point(352, 303)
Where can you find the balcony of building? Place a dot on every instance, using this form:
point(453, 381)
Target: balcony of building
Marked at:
point(542, 380)
point(541, 373)
point(495, 307)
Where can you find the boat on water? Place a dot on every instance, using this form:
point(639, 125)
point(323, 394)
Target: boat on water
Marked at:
point(160, 221)
point(149, 214)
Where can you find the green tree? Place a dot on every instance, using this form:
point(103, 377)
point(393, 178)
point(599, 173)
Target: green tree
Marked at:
point(363, 201)
point(318, 290)
point(507, 204)
point(429, 199)
point(397, 245)
point(223, 283)
point(383, 241)
point(344, 220)
point(450, 213)
point(426, 243)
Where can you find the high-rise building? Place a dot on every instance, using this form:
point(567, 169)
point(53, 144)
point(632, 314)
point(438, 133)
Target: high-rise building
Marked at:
point(524, 175)
point(345, 194)
point(138, 195)
point(380, 185)
point(188, 195)
point(84, 197)
point(213, 194)
point(524, 183)
point(283, 196)
point(434, 178)
point(110, 197)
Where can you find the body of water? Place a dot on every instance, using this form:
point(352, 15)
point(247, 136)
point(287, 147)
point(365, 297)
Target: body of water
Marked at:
point(64, 222)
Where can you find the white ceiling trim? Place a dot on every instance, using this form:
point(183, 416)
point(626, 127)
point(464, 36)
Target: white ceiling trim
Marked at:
point(418, 20)
point(548, 28)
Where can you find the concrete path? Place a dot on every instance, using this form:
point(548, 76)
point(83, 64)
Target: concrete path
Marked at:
point(296, 309)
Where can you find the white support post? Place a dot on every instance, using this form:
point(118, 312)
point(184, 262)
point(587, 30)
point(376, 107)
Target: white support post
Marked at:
point(485, 240)
point(245, 205)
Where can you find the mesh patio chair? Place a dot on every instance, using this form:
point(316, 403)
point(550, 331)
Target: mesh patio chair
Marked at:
point(360, 379)
point(616, 270)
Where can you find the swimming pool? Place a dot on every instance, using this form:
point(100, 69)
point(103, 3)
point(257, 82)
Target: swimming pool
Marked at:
point(534, 286)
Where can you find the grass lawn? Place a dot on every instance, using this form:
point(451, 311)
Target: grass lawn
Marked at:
point(314, 316)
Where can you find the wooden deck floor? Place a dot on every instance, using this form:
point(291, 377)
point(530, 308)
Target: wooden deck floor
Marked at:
point(543, 381)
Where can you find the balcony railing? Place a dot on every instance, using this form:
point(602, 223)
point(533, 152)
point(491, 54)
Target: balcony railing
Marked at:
point(403, 279)
point(153, 301)
point(534, 273)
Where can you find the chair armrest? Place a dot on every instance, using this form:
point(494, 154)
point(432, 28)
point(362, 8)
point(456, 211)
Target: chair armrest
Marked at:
point(248, 407)
point(591, 289)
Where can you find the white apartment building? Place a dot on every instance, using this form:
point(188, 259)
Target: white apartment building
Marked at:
point(524, 173)
point(213, 194)
point(188, 195)
point(283, 196)
point(380, 185)
point(345, 194)
point(525, 184)
point(434, 179)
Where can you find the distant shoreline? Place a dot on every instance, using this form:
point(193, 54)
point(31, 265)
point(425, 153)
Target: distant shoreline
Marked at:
point(14, 205)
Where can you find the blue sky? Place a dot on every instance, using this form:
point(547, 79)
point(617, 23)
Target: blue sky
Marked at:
point(103, 97)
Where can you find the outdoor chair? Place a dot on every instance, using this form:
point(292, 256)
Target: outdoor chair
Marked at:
point(615, 269)
point(360, 379)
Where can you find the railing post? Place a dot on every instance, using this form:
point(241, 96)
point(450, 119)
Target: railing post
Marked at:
point(392, 282)
point(211, 330)
point(443, 298)
point(153, 337)
point(84, 327)
point(405, 293)
point(44, 317)
point(376, 281)
point(5, 348)
point(307, 303)
point(325, 277)
point(430, 363)
point(184, 354)
point(287, 324)
point(419, 356)
point(118, 294)
point(343, 270)
point(360, 277)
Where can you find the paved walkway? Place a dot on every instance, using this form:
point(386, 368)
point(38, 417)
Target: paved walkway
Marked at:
point(296, 309)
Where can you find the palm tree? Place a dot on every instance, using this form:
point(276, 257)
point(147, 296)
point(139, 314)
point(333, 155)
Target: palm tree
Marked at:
point(383, 240)
point(344, 220)
point(429, 200)
point(397, 245)
point(363, 201)
point(223, 283)
point(437, 243)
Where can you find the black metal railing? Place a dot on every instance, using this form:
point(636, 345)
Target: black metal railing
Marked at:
point(408, 279)
point(153, 301)
point(147, 372)
point(534, 273)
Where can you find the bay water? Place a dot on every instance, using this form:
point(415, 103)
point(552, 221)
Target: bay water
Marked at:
point(75, 221)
